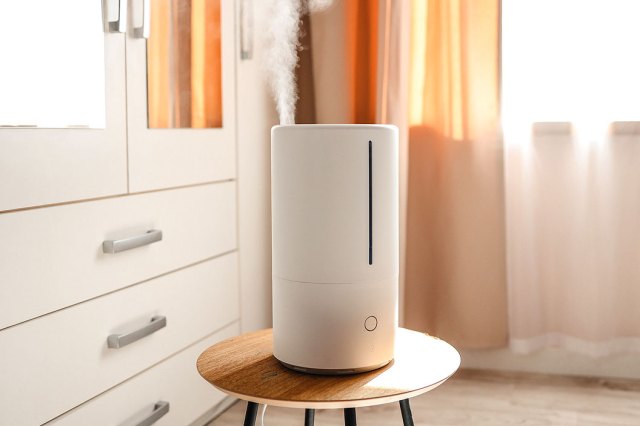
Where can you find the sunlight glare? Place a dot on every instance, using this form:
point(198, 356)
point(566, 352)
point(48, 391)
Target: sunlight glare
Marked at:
point(53, 70)
point(571, 61)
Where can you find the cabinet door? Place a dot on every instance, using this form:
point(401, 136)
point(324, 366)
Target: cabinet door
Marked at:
point(62, 102)
point(180, 93)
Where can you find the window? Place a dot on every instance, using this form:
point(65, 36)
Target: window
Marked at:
point(570, 61)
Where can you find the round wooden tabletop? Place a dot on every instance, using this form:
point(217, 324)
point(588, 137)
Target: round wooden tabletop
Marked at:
point(245, 367)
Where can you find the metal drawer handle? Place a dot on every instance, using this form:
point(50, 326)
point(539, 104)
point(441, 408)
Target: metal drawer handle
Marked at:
point(120, 24)
point(246, 29)
point(144, 31)
point(116, 341)
point(116, 246)
point(159, 409)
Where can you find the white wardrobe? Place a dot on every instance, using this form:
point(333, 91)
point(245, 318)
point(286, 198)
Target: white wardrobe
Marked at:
point(124, 207)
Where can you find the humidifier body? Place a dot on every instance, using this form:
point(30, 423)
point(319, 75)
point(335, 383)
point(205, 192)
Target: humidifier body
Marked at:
point(335, 246)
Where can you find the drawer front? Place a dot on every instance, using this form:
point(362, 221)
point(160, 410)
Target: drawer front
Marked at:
point(54, 363)
point(53, 257)
point(175, 381)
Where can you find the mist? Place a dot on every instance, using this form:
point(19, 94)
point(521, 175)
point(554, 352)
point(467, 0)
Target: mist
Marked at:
point(281, 42)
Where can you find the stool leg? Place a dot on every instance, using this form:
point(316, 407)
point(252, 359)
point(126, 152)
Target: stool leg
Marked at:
point(405, 409)
point(251, 414)
point(309, 415)
point(350, 417)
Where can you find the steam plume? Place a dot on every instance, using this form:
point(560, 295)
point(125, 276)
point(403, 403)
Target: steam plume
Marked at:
point(318, 5)
point(281, 45)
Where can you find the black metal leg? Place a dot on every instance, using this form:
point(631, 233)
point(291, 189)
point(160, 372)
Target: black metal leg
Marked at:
point(251, 414)
point(309, 415)
point(350, 417)
point(405, 409)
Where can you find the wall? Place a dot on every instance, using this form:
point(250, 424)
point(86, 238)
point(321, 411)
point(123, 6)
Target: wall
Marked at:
point(256, 115)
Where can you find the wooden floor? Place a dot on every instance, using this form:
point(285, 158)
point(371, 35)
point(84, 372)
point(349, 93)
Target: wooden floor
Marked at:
point(482, 398)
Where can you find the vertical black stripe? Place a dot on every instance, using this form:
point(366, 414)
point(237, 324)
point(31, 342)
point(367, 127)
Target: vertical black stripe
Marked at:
point(370, 206)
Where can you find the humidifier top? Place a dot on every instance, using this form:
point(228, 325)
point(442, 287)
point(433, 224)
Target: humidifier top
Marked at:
point(335, 203)
point(334, 126)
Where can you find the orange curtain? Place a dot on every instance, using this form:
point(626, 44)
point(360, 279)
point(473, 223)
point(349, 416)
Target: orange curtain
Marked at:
point(184, 64)
point(454, 73)
point(337, 73)
point(455, 284)
point(362, 59)
point(181, 61)
point(206, 67)
point(158, 67)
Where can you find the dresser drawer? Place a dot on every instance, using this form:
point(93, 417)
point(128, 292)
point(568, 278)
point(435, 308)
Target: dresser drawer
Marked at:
point(53, 257)
point(54, 363)
point(175, 381)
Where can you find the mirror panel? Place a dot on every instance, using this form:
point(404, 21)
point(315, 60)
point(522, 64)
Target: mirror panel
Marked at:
point(184, 65)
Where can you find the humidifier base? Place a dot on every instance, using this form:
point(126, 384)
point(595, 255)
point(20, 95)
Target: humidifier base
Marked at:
point(334, 372)
point(334, 328)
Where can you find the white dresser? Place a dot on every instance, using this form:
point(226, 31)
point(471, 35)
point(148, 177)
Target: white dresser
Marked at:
point(119, 260)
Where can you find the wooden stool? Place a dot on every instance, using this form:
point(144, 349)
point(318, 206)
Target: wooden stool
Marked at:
point(245, 367)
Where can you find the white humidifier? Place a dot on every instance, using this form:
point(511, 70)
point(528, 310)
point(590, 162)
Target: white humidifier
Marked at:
point(335, 246)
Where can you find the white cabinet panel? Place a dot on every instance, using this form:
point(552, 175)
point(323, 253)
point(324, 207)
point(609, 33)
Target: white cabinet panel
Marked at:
point(52, 257)
point(68, 185)
point(40, 165)
point(169, 157)
point(175, 381)
point(54, 363)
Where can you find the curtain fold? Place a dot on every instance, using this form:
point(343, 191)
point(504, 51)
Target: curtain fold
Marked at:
point(572, 243)
point(362, 59)
point(342, 60)
point(158, 69)
point(184, 64)
point(206, 69)
point(455, 265)
point(572, 177)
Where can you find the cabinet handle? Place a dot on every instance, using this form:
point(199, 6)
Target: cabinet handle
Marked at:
point(116, 246)
point(159, 409)
point(145, 30)
point(116, 341)
point(120, 24)
point(246, 29)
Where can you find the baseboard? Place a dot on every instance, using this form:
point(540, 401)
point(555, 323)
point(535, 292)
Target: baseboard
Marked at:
point(554, 361)
point(214, 412)
point(515, 377)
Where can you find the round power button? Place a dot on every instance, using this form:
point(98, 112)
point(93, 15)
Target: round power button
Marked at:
point(371, 323)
